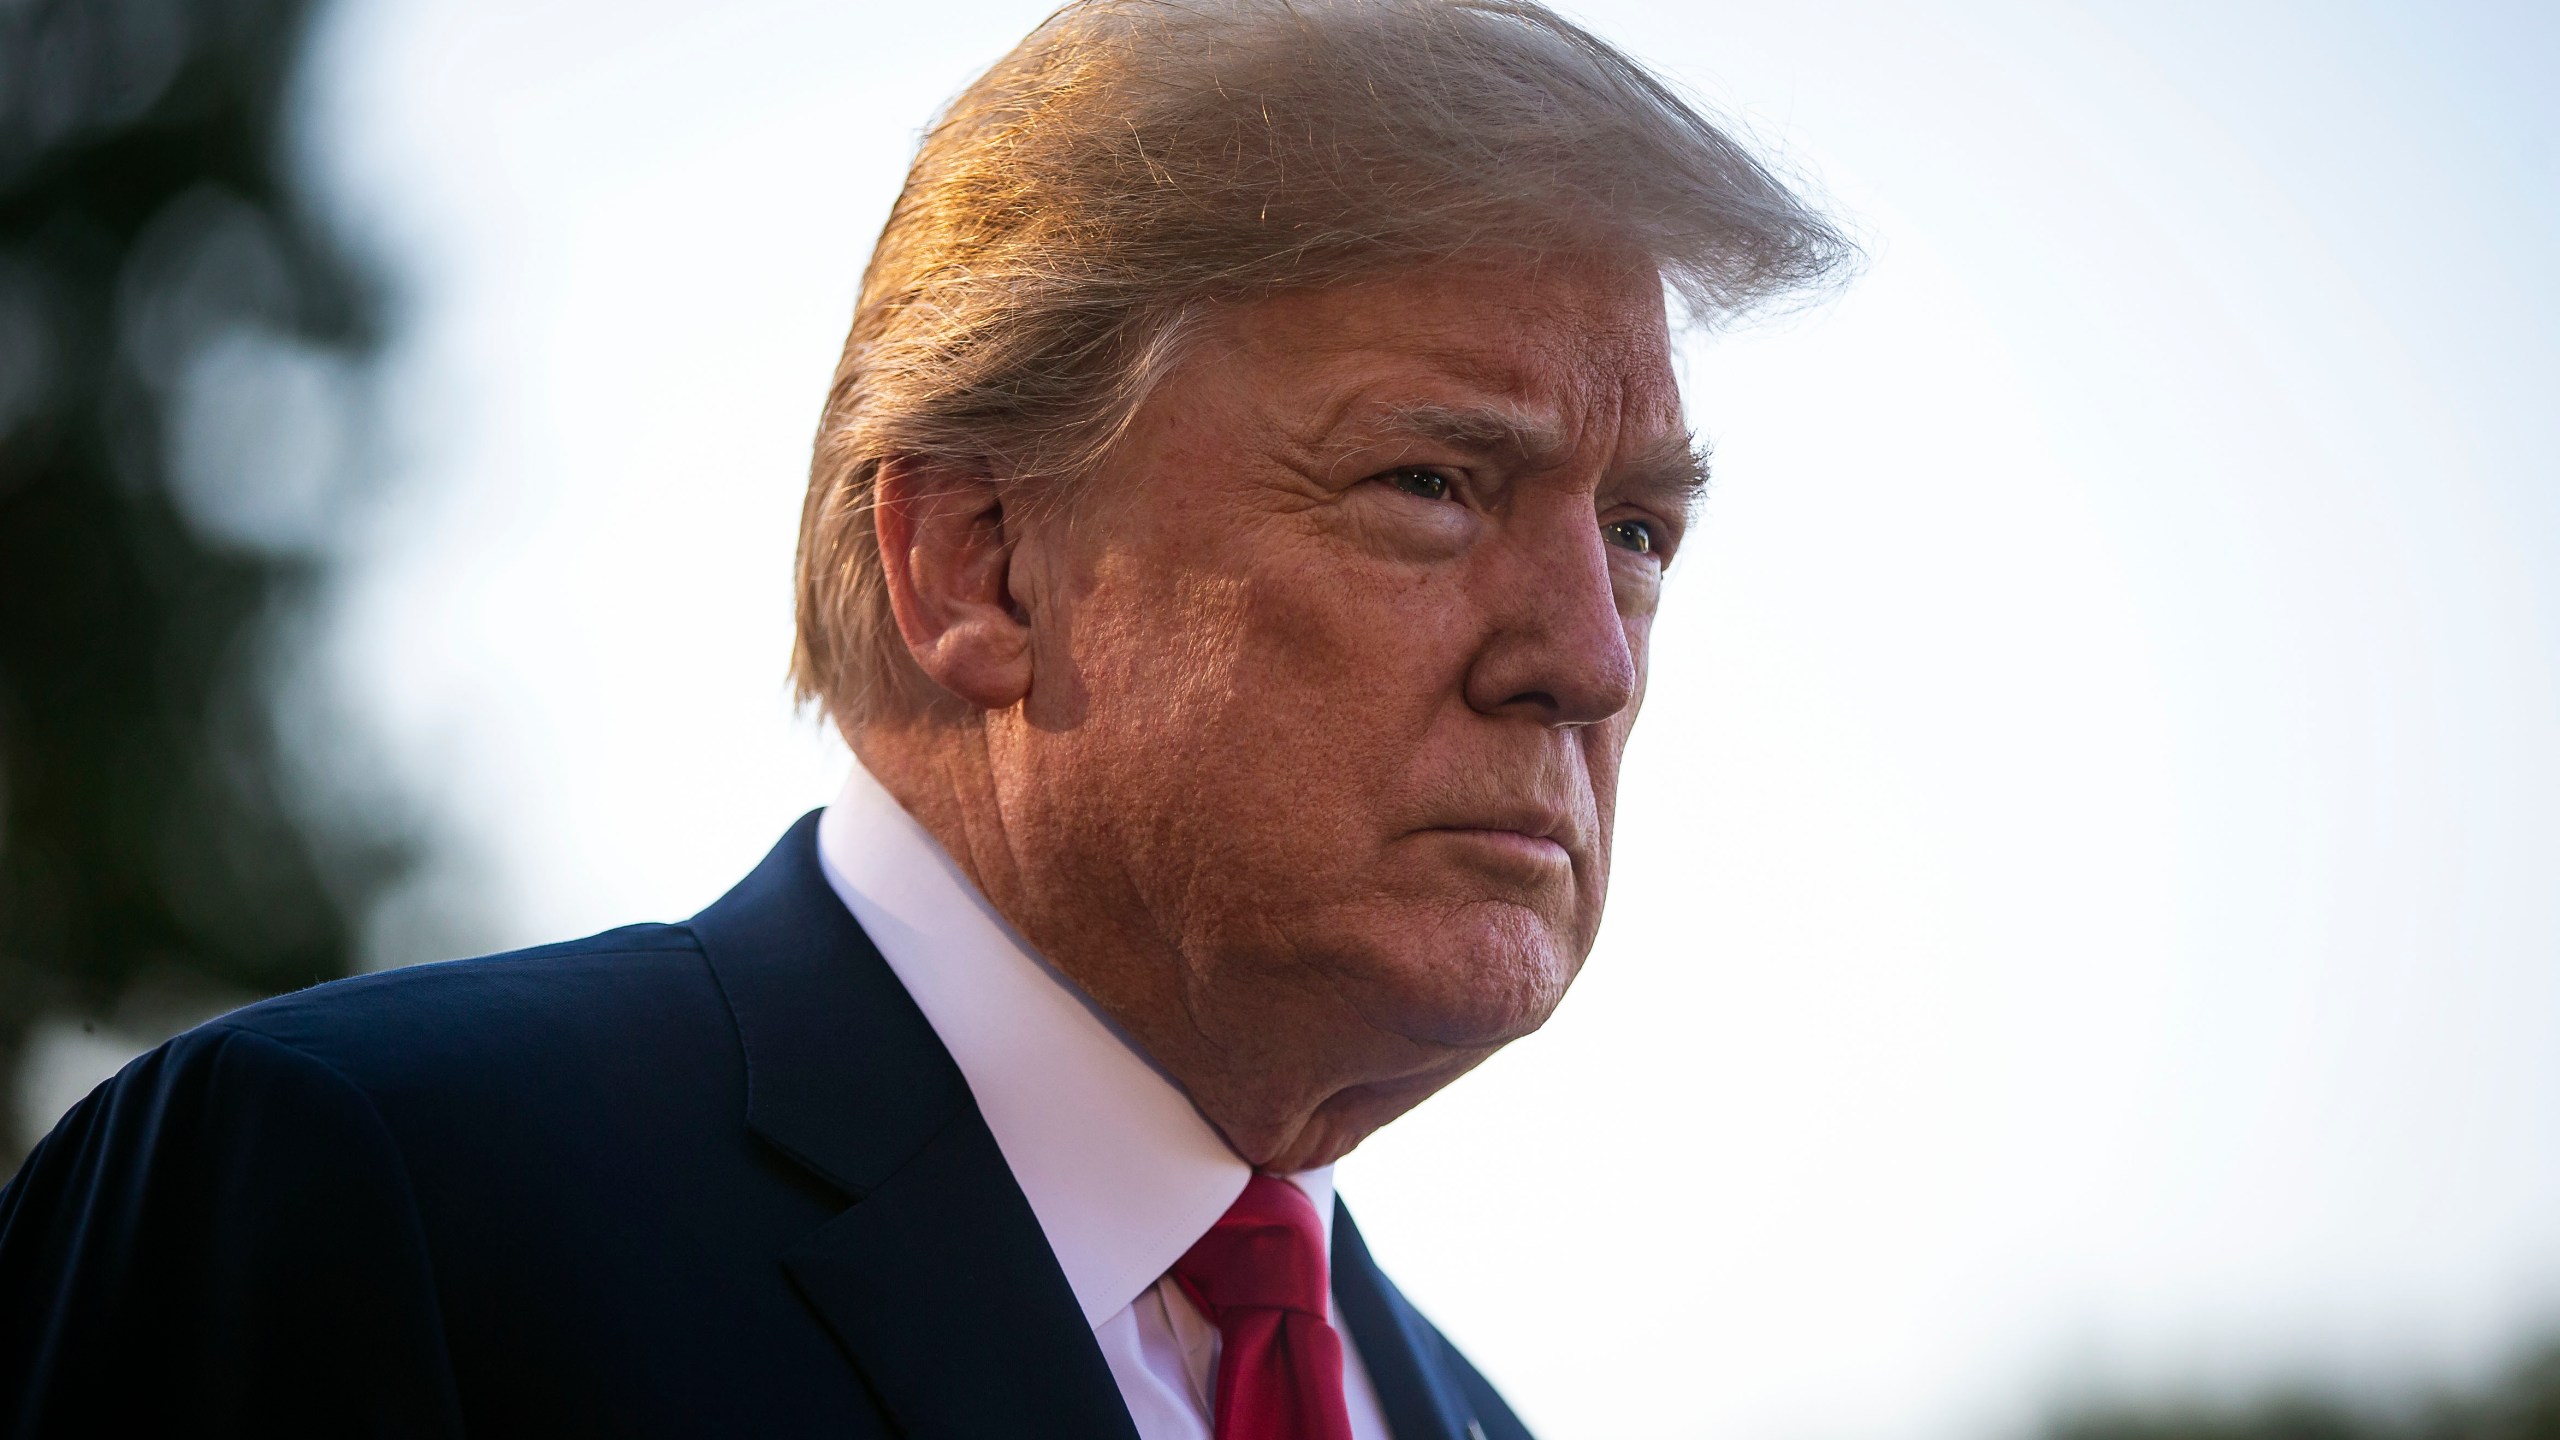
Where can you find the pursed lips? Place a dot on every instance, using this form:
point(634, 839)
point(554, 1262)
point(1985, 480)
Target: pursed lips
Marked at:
point(1529, 835)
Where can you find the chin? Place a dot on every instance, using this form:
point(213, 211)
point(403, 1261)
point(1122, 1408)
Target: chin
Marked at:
point(1474, 980)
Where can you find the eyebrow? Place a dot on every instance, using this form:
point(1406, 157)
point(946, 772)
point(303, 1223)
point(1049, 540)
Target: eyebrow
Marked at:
point(1671, 470)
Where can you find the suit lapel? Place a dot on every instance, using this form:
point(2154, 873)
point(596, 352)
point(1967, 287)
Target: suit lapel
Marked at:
point(942, 1287)
point(937, 1281)
point(1400, 1351)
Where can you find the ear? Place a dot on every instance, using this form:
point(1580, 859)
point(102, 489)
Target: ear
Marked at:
point(946, 554)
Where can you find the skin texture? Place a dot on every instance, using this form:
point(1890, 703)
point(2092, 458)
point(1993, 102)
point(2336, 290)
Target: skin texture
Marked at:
point(1294, 737)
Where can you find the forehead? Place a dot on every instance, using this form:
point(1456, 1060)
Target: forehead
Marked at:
point(1577, 347)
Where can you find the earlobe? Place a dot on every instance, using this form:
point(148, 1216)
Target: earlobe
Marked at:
point(946, 556)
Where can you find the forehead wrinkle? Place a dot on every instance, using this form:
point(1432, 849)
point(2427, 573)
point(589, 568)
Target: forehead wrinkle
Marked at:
point(1526, 434)
point(1522, 440)
point(1534, 441)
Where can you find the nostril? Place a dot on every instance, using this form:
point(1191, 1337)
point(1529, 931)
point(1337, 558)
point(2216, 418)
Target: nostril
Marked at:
point(1537, 699)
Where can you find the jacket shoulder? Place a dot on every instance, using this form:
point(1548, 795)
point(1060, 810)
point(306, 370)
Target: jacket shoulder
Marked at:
point(230, 1218)
point(496, 1014)
point(561, 1066)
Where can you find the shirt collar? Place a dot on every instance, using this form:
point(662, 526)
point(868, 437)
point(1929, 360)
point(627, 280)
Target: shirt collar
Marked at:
point(1122, 1173)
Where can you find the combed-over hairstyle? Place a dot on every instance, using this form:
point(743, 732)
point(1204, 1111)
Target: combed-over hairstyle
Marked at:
point(1132, 161)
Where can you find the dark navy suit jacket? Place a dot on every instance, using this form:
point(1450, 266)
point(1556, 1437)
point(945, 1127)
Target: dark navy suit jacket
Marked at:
point(717, 1178)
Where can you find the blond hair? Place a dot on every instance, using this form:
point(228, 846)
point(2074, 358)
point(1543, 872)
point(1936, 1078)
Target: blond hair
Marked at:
point(1134, 160)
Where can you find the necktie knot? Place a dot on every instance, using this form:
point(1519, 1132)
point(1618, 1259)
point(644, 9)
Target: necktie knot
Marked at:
point(1259, 1275)
point(1265, 1253)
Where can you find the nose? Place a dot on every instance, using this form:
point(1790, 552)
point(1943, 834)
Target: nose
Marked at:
point(1555, 646)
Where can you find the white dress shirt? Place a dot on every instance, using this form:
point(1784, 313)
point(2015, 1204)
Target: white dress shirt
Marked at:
point(1123, 1174)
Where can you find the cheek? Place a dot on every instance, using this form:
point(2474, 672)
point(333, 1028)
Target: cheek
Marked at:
point(1269, 725)
point(1164, 655)
point(1118, 750)
point(1601, 748)
point(1234, 711)
point(1340, 663)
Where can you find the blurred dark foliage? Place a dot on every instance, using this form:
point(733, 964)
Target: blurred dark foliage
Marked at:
point(2521, 1403)
point(178, 335)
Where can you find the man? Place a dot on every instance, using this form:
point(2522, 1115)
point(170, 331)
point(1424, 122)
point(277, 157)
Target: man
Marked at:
point(1233, 541)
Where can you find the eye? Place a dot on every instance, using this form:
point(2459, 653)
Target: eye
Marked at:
point(1635, 535)
point(1429, 484)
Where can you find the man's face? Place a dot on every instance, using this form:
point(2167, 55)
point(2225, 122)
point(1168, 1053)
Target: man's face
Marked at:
point(1338, 654)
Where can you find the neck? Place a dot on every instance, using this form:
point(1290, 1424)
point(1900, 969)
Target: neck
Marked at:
point(1287, 1071)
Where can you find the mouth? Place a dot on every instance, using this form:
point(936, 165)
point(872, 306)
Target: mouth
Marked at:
point(1514, 845)
point(1529, 841)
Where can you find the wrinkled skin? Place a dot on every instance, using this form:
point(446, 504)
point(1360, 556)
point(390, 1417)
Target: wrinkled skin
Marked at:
point(1294, 736)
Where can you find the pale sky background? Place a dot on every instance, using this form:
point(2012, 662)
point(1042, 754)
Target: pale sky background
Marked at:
point(2086, 909)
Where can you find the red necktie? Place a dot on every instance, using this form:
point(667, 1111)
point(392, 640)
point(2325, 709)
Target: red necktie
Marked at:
point(1259, 1275)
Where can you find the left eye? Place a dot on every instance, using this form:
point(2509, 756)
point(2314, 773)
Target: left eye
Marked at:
point(1429, 484)
point(1633, 535)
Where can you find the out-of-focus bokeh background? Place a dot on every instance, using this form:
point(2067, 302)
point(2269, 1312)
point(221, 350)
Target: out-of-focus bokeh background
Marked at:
point(2085, 956)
